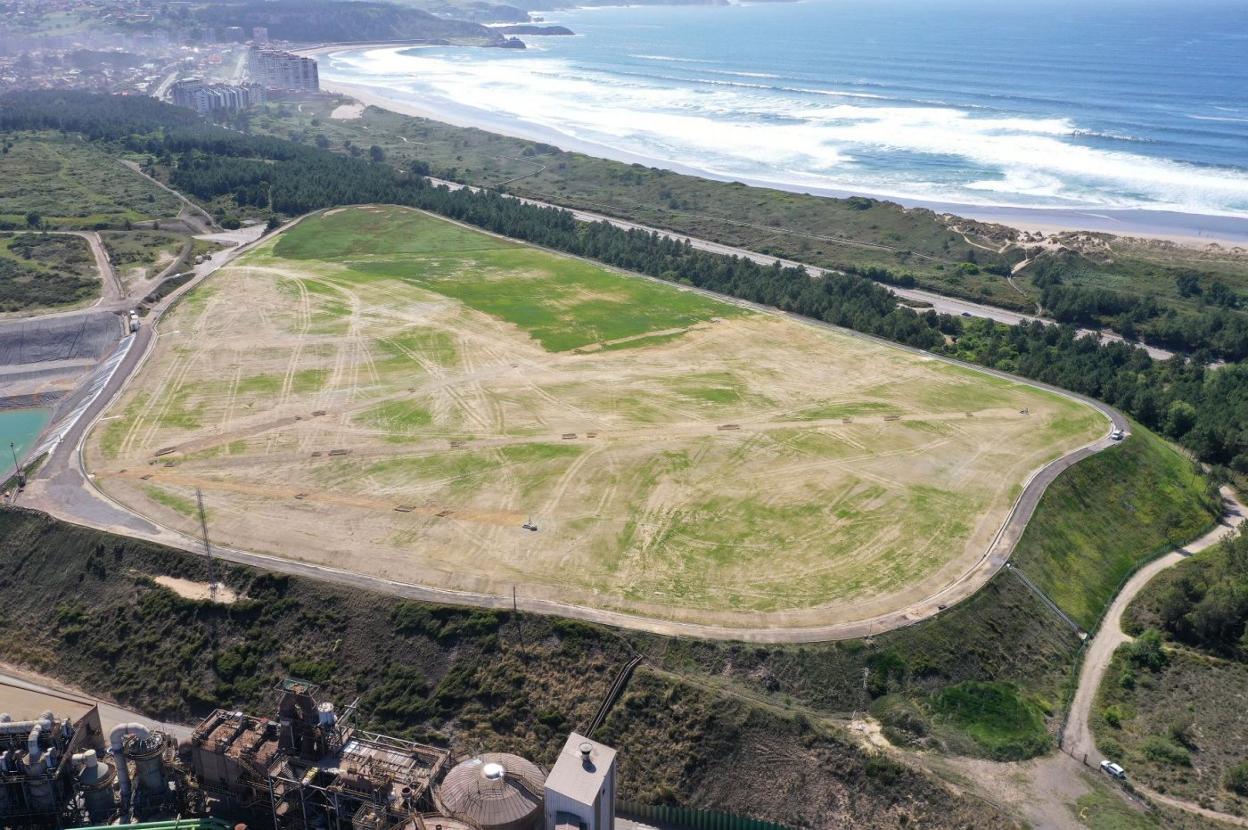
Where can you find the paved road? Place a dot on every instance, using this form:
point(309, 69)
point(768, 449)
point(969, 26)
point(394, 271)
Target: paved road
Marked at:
point(110, 713)
point(939, 302)
point(1077, 738)
point(64, 490)
point(61, 487)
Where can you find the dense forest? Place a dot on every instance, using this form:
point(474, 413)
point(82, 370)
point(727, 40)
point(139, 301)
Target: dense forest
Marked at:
point(1204, 409)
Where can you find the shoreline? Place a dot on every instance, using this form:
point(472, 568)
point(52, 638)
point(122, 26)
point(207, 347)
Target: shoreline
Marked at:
point(1186, 229)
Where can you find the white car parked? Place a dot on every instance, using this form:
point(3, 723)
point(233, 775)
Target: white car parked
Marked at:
point(1113, 770)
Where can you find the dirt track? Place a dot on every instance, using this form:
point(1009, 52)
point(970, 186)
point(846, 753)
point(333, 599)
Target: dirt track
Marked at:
point(1078, 739)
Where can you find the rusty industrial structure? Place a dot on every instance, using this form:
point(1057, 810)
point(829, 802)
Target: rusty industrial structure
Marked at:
point(304, 768)
point(65, 772)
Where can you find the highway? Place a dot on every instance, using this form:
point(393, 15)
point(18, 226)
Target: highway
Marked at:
point(62, 488)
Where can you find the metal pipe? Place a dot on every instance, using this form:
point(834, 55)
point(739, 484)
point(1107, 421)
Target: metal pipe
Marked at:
point(116, 737)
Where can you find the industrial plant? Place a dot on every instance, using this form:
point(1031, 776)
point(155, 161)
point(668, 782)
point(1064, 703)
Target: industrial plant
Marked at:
point(305, 767)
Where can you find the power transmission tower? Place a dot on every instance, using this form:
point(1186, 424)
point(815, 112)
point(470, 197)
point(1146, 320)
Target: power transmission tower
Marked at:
point(203, 527)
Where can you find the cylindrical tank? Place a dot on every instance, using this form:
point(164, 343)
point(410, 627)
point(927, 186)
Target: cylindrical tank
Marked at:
point(149, 766)
point(494, 791)
point(95, 783)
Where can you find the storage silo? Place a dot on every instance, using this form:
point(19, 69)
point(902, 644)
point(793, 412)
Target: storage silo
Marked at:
point(494, 791)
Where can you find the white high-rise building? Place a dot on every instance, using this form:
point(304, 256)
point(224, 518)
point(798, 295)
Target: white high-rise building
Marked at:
point(580, 790)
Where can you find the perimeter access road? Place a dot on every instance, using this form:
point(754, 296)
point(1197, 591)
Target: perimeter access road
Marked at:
point(63, 489)
point(938, 302)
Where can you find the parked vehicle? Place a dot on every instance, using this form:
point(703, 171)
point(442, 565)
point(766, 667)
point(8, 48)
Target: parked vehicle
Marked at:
point(1113, 770)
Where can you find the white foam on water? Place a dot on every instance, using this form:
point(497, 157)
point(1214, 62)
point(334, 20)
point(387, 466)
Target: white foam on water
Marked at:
point(760, 132)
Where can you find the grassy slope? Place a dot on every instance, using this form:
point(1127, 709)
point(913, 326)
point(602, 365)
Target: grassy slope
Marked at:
point(74, 185)
point(460, 675)
point(1107, 515)
point(45, 270)
point(477, 679)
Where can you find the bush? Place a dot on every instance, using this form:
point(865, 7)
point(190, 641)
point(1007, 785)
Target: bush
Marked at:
point(1236, 779)
point(1146, 652)
point(1003, 724)
point(1164, 751)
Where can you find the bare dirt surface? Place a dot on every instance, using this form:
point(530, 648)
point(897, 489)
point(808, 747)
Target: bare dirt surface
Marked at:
point(376, 427)
point(187, 589)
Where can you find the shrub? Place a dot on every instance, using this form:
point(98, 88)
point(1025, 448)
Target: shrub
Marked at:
point(1236, 778)
point(1164, 751)
point(1146, 652)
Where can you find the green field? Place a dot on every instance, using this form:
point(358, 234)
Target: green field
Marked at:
point(45, 271)
point(427, 389)
point(71, 184)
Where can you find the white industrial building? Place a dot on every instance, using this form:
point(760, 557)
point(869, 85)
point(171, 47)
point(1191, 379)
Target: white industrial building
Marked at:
point(580, 790)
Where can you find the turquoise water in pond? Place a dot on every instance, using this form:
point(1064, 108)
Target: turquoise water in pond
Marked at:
point(20, 427)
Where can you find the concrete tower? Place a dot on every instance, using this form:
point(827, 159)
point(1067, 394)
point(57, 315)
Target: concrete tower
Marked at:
point(580, 790)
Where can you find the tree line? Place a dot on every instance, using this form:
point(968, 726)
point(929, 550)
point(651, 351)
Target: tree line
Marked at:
point(1205, 410)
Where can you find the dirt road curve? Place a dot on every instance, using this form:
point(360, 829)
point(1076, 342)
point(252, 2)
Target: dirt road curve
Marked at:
point(1078, 739)
point(939, 302)
point(64, 490)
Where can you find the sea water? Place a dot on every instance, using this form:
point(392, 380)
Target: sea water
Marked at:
point(1054, 103)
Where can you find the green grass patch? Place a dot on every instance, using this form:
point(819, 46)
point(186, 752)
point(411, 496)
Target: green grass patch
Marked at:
point(998, 718)
point(563, 303)
point(847, 409)
point(397, 416)
point(1103, 810)
point(175, 502)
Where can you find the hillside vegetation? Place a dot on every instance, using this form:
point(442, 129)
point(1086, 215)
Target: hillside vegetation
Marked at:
point(1172, 702)
point(474, 679)
point(325, 21)
point(1172, 296)
point(43, 270)
point(1109, 514)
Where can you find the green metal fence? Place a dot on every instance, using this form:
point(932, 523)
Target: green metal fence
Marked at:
point(691, 818)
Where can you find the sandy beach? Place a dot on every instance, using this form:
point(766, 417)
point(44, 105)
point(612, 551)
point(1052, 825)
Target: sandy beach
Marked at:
point(1189, 229)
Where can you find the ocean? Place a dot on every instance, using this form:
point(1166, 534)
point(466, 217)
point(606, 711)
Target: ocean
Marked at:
point(1097, 104)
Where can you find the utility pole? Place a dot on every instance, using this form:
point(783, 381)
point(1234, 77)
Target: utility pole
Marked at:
point(515, 613)
point(203, 527)
point(17, 468)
